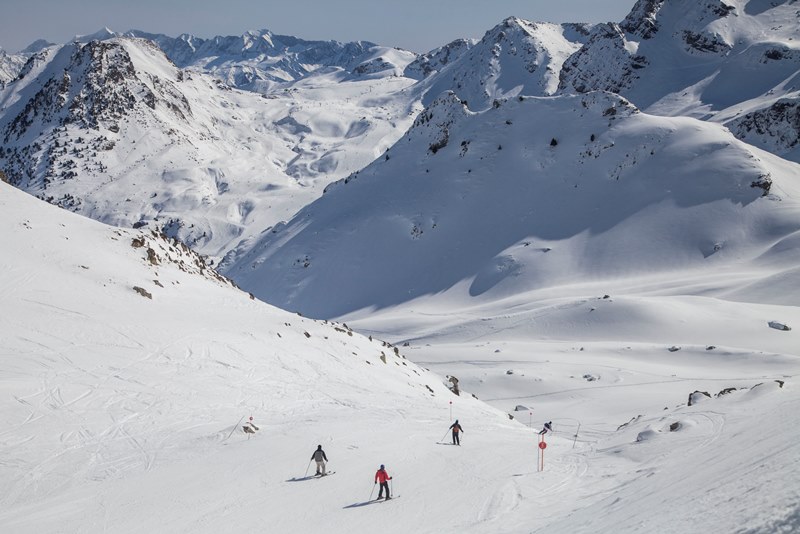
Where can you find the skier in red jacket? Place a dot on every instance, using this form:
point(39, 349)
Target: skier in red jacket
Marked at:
point(383, 477)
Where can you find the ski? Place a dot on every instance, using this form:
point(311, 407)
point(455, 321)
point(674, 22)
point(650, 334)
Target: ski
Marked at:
point(326, 474)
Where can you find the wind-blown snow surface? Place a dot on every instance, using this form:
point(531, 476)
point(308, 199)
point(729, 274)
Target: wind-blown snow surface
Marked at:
point(120, 413)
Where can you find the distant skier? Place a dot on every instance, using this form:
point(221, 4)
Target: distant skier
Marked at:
point(548, 427)
point(383, 477)
point(250, 427)
point(456, 429)
point(320, 458)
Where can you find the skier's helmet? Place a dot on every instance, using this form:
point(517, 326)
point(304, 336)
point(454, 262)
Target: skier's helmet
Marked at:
point(382, 466)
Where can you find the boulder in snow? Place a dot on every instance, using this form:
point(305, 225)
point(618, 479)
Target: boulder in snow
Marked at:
point(697, 396)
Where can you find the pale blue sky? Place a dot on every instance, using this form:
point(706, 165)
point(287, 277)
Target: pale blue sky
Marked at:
point(418, 25)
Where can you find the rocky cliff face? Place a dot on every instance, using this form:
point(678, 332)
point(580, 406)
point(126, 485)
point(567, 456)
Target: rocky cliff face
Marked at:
point(775, 128)
point(93, 87)
point(729, 61)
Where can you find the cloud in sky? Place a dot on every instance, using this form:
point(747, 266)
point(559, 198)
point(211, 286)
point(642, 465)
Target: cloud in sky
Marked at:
point(417, 25)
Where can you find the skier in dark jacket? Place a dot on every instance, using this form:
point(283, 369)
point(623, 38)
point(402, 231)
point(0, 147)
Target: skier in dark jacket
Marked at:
point(320, 458)
point(548, 427)
point(456, 429)
point(383, 477)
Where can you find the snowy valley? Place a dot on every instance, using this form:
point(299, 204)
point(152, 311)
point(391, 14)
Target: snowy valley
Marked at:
point(596, 225)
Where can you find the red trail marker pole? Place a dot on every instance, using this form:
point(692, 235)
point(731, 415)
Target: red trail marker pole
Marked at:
point(542, 446)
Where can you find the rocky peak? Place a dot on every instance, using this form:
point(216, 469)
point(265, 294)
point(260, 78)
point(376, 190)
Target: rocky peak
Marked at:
point(438, 58)
point(620, 67)
point(642, 20)
point(98, 87)
point(515, 57)
point(93, 90)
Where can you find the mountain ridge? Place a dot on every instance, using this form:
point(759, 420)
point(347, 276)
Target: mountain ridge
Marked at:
point(483, 203)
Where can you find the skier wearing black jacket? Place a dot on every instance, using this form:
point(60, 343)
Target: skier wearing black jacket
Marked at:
point(456, 429)
point(320, 458)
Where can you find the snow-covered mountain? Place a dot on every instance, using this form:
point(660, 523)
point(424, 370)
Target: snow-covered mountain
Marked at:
point(10, 65)
point(241, 162)
point(532, 193)
point(736, 62)
point(114, 130)
point(515, 57)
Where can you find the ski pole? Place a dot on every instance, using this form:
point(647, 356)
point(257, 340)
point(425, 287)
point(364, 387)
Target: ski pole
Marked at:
point(445, 435)
point(234, 428)
point(309, 465)
point(391, 486)
point(373, 491)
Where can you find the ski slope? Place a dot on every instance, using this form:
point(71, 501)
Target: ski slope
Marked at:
point(122, 413)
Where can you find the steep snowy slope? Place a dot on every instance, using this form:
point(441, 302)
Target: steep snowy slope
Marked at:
point(515, 57)
point(127, 364)
point(122, 412)
point(731, 61)
point(113, 130)
point(533, 193)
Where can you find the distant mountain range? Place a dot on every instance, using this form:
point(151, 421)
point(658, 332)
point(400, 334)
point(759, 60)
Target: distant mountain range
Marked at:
point(113, 129)
point(214, 141)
